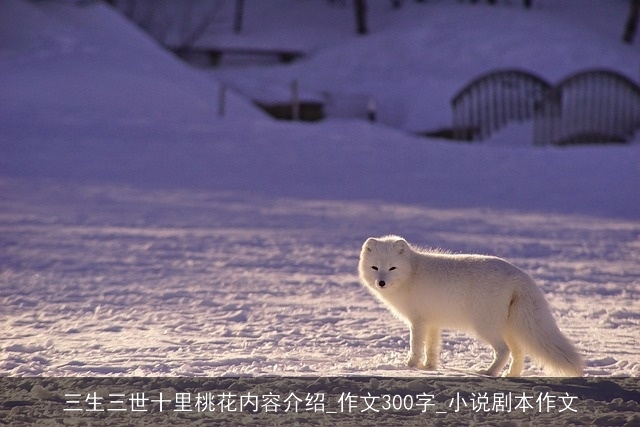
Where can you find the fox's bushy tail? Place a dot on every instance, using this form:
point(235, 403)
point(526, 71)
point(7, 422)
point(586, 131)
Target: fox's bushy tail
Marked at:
point(538, 333)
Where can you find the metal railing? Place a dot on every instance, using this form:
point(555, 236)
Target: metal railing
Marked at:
point(492, 100)
point(587, 107)
point(590, 106)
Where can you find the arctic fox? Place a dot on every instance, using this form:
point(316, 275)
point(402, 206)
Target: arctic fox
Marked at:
point(431, 290)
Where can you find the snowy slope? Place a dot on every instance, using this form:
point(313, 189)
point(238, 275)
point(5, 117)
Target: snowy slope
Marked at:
point(86, 65)
point(143, 235)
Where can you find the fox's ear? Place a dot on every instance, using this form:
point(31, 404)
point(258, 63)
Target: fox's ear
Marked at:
point(400, 245)
point(369, 243)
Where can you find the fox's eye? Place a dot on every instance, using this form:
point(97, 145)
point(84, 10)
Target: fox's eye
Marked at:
point(374, 267)
point(392, 268)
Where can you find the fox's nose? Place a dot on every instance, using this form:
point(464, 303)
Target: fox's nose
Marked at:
point(382, 283)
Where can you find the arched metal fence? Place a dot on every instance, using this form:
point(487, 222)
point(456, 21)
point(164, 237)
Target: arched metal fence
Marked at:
point(586, 107)
point(492, 100)
point(589, 106)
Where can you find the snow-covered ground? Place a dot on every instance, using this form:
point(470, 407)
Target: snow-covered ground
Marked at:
point(115, 280)
point(141, 234)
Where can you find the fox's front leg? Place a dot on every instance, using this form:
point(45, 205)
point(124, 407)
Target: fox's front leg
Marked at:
point(417, 344)
point(424, 338)
point(434, 338)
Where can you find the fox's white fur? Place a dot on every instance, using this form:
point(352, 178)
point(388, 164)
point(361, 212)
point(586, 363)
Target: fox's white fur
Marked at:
point(500, 303)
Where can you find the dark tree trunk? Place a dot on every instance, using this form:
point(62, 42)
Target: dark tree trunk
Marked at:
point(632, 21)
point(361, 16)
point(239, 13)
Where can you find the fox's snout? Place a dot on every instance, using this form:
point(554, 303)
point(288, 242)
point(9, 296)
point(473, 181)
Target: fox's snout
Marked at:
point(382, 283)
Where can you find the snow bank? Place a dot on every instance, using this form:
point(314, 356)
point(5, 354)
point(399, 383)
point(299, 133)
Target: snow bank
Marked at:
point(100, 101)
point(62, 64)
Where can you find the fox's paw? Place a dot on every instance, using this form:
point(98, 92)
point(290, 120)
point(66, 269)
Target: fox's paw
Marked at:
point(489, 373)
point(415, 363)
point(430, 366)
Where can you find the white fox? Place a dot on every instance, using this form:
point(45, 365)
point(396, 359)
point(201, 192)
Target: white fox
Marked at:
point(431, 290)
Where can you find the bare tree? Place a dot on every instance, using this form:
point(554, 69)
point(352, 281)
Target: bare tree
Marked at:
point(632, 21)
point(238, 16)
point(361, 16)
point(525, 3)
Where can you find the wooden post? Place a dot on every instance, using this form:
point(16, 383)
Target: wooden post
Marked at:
point(222, 99)
point(295, 101)
point(372, 110)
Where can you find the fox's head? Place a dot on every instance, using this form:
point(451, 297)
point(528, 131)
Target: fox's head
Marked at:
point(384, 262)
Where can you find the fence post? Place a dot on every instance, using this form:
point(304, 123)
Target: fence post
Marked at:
point(222, 99)
point(295, 101)
point(372, 110)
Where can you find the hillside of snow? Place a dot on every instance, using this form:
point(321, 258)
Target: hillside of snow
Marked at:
point(143, 234)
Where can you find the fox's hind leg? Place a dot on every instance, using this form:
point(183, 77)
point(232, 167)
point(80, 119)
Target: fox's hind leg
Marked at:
point(492, 329)
point(517, 358)
point(500, 357)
